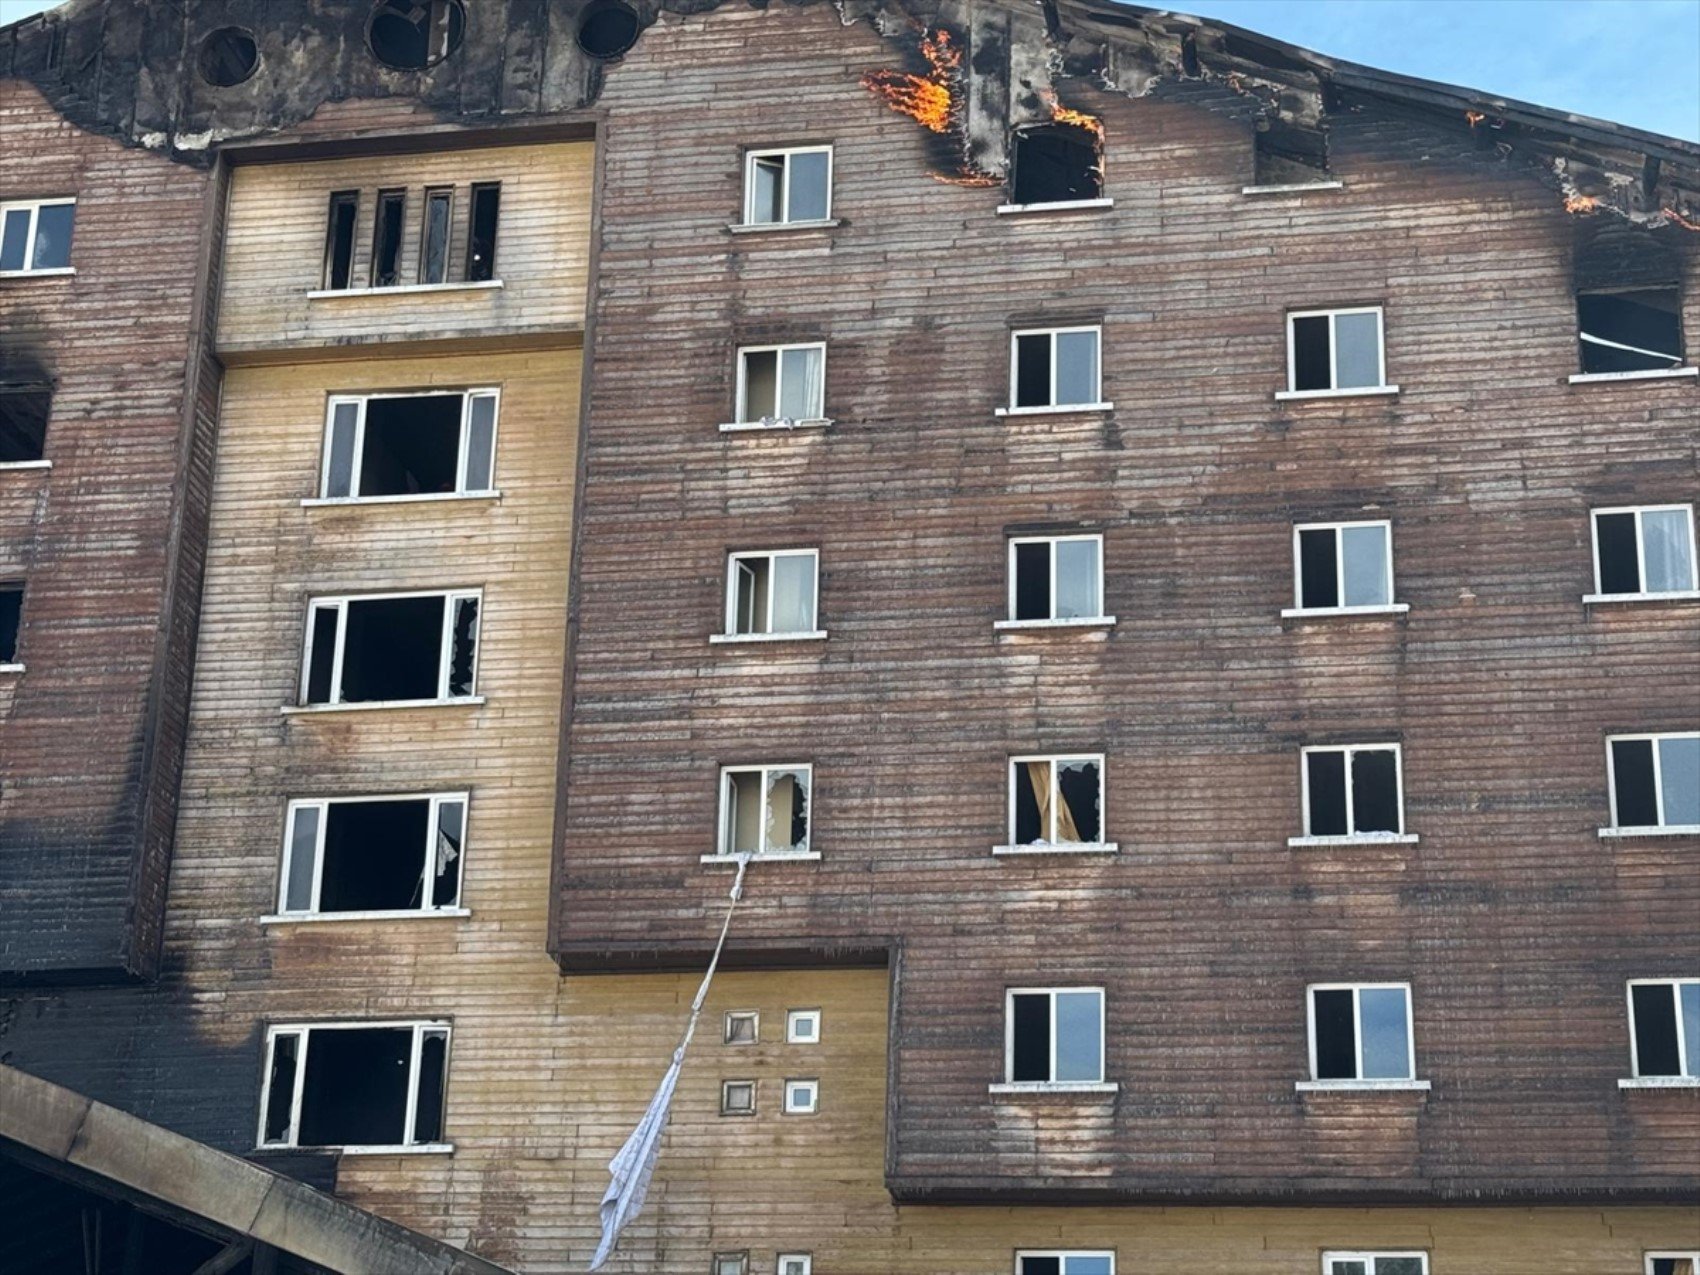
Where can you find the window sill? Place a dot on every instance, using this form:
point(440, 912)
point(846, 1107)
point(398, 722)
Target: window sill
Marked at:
point(1055, 1087)
point(1322, 613)
point(1672, 830)
point(1291, 188)
point(1072, 622)
point(52, 272)
point(1064, 409)
point(731, 860)
point(303, 710)
point(1357, 839)
point(25, 464)
point(329, 502)
point(1081, 847)
point(1659, 1082)
point(736, 639)
point(1650, 374)
point(1676, 595)
point(780, 227)
point(1364, 391)
point(780, 425)
point(1057, 206)
point(11, 668)
point(403, 289)
point(1362, 1086)
point(313, 918)
point(422, 1148)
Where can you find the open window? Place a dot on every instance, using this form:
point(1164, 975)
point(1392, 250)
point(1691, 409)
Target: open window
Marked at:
point(788, 187)
point(781, 385)
point(1375, 1263)
point(1056, 579)
point(360, 1087)
point(1054, 369)
point(395, 446)
point(434, 235)
point(1055, 1261)
point(1361, 1032)
point(1632, 330)
point(1669, 1262)
point(1664, 1028)
point(24, 409)
point(1342, 567)
point(772, 593)
point(1056, 164)
point(1335, 352)
point(386, 238)
point(1644, 551)
point(764, 810)
point(1054, 1035)
point(1353, 792)
point(339, 240)
point(391, 648)
point(35, 236)
point(1655, 783)
point(1056, 803)
point(486, 200)
point(11, 621)
point(399, 855)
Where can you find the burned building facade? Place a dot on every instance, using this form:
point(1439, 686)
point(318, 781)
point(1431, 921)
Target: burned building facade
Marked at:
point(1171, 556)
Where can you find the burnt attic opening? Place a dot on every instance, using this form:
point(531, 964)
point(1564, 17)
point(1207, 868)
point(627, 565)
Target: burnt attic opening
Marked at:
point(1628, 301)
point(227, 57)
point(1056, 163)
point(410, 35)
point(607, 28)
point(1286, 155)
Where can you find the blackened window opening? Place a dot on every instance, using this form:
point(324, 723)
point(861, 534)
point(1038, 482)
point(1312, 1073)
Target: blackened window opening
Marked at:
point(1283, 155)
point(462, 655)
point(1312, 361)
point(434, 237)
point(1375, 791)
point(1620, 559)
point(24, 409)
point(1318, 567)
point(608, 28)
point(355, 1089)
point(1030, 1038)
point(321, 655)
point(1057, 163)
point(481, 237)
point(1632, 780)
point(339, 239)
point(11, 620)
point(1326, 774)
point(443, 867)
point(433, 1073)
point(375, 852)
point(386, 238)
point(410, 35)
point(1033, 581)
point(1335, 1024)
point(1632, 331)
point(1656, 1052)
point(393, 649)
point(227, 57)
point(412, 445)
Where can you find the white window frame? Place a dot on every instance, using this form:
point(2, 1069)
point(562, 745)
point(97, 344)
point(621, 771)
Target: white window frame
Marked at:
point(741, 398)
point(1063, 1254)
point(1401, 837)
point(1685, 1048)
point(793, 1087)
point(738, 1015)
point(360, 401)
point(795, 1037)
point(1409, 1081)
point(1670, 1254)
point(1332, 315)
point(445, 662)
point(1096, 405)
point(421, 1027)
point(1010, 1084)
point(723, 852)
point(1371, 1257)
point(433, 823)
point(1052, 621)
point(729, 630)
point(785, 153)
point(1660, 829)
point(35, 206)
point(1052, 846)
point(1338, 528)
point(807, 1260)
point(1645, 595)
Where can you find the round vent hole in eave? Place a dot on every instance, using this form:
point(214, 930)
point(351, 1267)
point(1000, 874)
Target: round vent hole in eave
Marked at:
point(228, 56)
point(608, 28)
point(411, 35)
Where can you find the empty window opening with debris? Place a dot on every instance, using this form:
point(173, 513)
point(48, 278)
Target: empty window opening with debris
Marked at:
point(1664, 1027)
point(1286, 156)
point(1638, 330)
point(1343, 566)
point(386, 238)
point(771, 593)
point(1655, 782)
point(785, 187)
point(737, 1097)
point(1644, 551)
point(1053, 368)
point(1335, 351)
point(357, 1086)
point(802, 1027)
point(11, 621)
point(802, 1097)
point(486, 202)
point(1064, 1262)
point(764, 810)
point(434, 235)
point(399, 647)
point(1354, 791)
point(1375, 1264)
point(1056, 801)
point(1056, 578)
point(339, 240)
point(1056, 164)
point(373, 854)
point(410, 35)
point(743, 1027)
point(35, 235)
point(1361, 1031)
point(781, 385)
point(398, 445)
point(1054, 1035)
point(24, 409)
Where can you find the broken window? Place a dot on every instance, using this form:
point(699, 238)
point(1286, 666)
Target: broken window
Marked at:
point(410, 35)
point(24, 408)
point(788, 187)
point(1053, 367)
point(1333, 351)
point(1655, 781)
point(737, 1097)
point(802, 1027)
point(35, 235)
point(1361, 1031)
point(357, 1086)
point(1057, 163)
point(11, 620)
point(795, 1264)
point(1056, 577)
point(1343, 566)
point(386, 238)
point(743, 1026)
point(1374, 1264)
point(607, 28)
point(1056, 801)
point(1064, 1262)
point(434, 236)
point(781, 384)
point(764, 810)
point(227, 57)
point(1664, 1027)
point(1645, 551)
point(391, 445)
point(373, 854)
point(1054, 1035)
point(486, 200)
point(1354, 791)
point(1684, 1263)
point(339, 240)
point(396, 647)
point(771, 593)
point(1636, 330)
point(802, 1097)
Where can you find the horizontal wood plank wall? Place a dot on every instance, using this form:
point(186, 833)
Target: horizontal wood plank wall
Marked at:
point(1516, 924)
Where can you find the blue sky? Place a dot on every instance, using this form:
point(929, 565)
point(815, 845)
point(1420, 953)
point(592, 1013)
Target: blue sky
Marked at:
point(1633, 61)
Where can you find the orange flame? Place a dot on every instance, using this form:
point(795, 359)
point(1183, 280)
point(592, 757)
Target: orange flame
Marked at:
point(1473, 118)
point(929, 100)
point(1066, 115)
point(1672, 214)
point(1581, 203)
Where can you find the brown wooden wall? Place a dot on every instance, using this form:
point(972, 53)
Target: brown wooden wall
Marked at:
point(1516, 924)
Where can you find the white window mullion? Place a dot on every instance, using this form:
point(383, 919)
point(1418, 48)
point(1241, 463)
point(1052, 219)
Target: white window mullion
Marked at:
point(445, 657)
point(1053, 402)
point(356, 465)
point(324, 811)
point(337, 651)
point(433, 832)
point(464, 443)
point(1351, 813)
point(785, 188)
point(1051, 998)
point(1358, 1032)
point(29, 238)
point(1333, 351)
point(1681, 1033)
point(772, 587)
point(1339, 535)
point(303, 1041)
point(1055, 562)
point(1658, 777)
point(407, 1128)
point(1641, 550)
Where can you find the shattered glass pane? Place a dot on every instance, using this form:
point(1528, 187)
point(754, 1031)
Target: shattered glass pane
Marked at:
point(1365, 551)
point(1077, 368)
point(1079, 820)
point(1667, 549)
point(451, 825)
point(808, 187)
point(1077, 579)
point(787, 829)
point(1386, 1043)
point(1357, 352)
